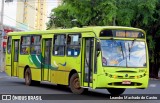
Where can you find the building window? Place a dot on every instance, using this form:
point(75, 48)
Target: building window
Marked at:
point(25, 44)
point(9, 42)
point(59, 44)
point(36, 45)
point(73, 44)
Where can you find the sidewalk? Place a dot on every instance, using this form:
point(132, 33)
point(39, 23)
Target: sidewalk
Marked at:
point(2, 74)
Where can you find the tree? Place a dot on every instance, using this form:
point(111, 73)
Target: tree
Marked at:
point(61, 17)
point(86, 12)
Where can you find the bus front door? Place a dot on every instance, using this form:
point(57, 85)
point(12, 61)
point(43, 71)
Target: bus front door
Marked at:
point(47, 59)
point(88, 58)
point(15, 53)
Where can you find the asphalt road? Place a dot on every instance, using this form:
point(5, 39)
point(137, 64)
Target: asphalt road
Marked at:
point(51, 93)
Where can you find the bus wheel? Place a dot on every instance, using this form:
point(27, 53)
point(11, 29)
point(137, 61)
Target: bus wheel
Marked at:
point(28, 78)
point(75, 84)
point(116, 91)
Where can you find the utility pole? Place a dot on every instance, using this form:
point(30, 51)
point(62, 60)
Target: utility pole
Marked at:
point(2, 11)
point(1, 39)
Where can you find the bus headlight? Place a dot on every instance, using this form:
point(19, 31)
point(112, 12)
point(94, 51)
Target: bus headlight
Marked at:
point(114, 76)
point(136, 77)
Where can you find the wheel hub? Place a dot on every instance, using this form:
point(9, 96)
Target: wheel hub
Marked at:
point(27, 77)
point(76, 83)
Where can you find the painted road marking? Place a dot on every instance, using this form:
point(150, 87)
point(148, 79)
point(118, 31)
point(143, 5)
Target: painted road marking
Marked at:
point(152, 85)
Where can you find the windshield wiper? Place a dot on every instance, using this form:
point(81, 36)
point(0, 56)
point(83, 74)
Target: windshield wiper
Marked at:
point(133, 41)
point(122, 50)
point(126, 55)
point(120, 45)
point(129, 49)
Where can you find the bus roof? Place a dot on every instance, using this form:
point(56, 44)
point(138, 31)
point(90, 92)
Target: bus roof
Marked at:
point(75, 29)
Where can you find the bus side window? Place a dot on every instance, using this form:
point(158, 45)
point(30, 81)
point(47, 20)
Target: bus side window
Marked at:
point(36, 44)
point(25, 45)
point(59, 44)
point(23, 50)
point(9, 45)
point(73, 44)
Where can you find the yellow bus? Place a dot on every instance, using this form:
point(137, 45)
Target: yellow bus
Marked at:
point(101, 57)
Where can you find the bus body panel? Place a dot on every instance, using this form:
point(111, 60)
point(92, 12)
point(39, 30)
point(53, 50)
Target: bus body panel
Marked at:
point(36, 74)
point(24, 61)
point(21, 72)
point(8, 64)
point(59, 77)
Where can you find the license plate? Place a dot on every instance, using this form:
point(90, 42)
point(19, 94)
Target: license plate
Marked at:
point(126, 82)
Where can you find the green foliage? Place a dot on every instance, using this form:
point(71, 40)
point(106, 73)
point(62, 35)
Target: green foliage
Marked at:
point(151, 45)
point(86, 12)
point(61, 17)
point(136, 13)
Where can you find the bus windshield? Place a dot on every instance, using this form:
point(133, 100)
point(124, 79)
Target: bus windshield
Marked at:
point(123, 53)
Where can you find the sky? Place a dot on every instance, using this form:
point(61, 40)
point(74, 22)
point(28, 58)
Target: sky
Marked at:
point(10, 11)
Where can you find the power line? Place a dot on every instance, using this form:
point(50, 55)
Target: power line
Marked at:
point(36, 8)
point(21, 28)
point(19, 22)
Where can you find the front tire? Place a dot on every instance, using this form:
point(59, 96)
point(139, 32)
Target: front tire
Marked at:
point(116, 91)
point(75, 84)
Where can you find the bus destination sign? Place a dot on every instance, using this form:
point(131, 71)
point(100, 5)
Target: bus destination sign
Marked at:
point(122, 33)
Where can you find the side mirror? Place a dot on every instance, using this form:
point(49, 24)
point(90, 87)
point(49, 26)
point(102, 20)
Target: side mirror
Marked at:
point(98, 47)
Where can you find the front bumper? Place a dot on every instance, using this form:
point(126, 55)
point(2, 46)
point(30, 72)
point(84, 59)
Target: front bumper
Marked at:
point(106, 81)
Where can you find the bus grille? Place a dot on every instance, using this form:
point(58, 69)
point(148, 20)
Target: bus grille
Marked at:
point(120, 84)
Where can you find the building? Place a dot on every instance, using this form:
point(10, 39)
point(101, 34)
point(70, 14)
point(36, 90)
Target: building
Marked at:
point(31, 14)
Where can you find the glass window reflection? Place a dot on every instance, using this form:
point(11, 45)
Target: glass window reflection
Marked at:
point(123, 53)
